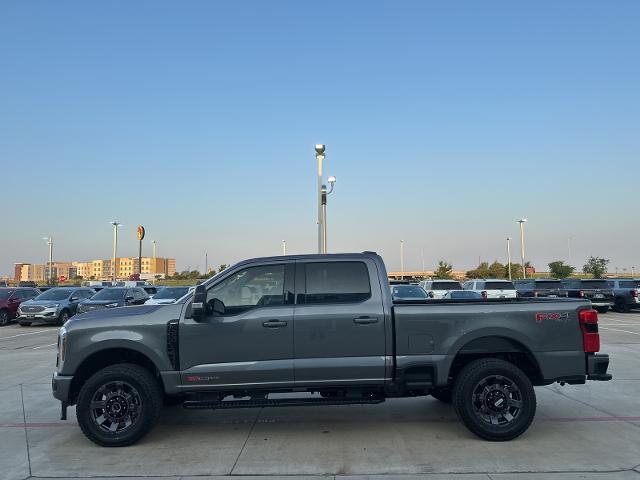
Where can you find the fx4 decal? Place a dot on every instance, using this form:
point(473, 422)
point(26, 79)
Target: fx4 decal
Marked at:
point(556, 317)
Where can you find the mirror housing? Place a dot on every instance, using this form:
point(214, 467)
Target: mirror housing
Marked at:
point(199, 303)
point(74, 299)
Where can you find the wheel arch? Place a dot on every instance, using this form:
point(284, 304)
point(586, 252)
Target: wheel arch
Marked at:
point(497, 346)
point(106, 357)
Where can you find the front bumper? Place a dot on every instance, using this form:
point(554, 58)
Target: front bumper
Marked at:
point(597, 365)
point(50, 315)
point(61, 387)
point(602, 303)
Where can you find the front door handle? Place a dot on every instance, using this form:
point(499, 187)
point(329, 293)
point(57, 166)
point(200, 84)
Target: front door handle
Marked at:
point(274, 324)
point(365, 320)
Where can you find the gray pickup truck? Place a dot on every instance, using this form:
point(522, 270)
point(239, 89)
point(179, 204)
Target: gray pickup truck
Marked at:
point(324, 329)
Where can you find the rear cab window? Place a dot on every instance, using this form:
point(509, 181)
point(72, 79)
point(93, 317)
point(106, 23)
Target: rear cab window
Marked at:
point(491, 285)
point(446, 285)
point(591, 284)
point(336, 282)
point(548, 284)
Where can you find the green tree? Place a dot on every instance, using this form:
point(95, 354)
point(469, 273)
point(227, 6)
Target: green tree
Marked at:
point(559, 269)
point(444, 270)
point(596, 266)
point(222, 267)
point(496, 270)
point(481, 272)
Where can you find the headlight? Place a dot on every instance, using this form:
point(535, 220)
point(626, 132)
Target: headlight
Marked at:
point(111, 305)
point(52, 305)
point(62, 343)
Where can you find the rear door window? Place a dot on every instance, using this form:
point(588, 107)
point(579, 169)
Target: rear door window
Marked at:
point(628, 284)
point(336, 282)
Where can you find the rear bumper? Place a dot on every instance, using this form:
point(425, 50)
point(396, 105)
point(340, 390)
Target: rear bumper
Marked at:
point(597, 365)
point(61, 387)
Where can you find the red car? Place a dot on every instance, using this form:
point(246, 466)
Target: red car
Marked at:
point(10, 300)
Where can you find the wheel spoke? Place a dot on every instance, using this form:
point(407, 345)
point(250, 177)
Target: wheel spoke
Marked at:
point(515, 403)
point(101, 419)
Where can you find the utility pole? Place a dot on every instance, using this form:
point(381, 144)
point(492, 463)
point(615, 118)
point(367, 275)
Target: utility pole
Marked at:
point(401, 259)
point(115, 248)
point(155, 267)
point(509, 256)
point(50, 244)
point(284, 247)
point(206, 263)
point(524, 268)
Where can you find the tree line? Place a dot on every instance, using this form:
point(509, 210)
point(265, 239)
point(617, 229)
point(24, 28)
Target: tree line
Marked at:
point(595, 266)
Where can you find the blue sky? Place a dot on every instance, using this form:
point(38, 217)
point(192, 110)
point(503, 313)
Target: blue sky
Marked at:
point(444, 123)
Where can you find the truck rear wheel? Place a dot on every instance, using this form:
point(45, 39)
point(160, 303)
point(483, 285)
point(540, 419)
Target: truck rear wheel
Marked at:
point(118, 405)
point(494, 399)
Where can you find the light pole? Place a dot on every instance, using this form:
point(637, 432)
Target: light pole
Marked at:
point(509, 256)
point(332, 182)
point(320, 158)
point(401, 259)
point(522, 222)
point(633, 271)
point(115, 248)
point(50, 243)
point(569, 249)
point(155, 268)
point(284, 247)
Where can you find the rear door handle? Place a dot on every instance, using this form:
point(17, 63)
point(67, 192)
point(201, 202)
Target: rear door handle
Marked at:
point(365, 320)
point(274, 324)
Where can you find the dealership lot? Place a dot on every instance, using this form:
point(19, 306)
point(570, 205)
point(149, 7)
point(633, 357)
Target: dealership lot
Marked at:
point(578, 432)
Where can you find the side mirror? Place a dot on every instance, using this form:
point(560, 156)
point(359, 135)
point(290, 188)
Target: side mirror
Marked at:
point(199, 303)
point(74, 299)
point(128, 298)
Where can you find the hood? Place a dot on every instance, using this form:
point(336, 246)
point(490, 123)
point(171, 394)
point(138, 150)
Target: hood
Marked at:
point(160, 301)
point(139, 314)
point(102, 302)
point(26, 303)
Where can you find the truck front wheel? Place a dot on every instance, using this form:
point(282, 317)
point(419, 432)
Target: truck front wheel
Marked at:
point(494, 399)
point(118, 405)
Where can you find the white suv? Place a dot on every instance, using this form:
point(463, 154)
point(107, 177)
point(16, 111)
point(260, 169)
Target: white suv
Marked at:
point(494, 288)
point(439, 288)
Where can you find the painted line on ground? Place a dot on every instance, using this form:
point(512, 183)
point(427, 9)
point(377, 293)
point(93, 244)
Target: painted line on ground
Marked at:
point(618, 330)
point(43, 346)
point(433, 420)
point(24, 334)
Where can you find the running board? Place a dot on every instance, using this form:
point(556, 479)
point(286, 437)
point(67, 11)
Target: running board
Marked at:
point(284, 402)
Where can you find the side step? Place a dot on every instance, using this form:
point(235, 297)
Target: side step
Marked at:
point(284, 402)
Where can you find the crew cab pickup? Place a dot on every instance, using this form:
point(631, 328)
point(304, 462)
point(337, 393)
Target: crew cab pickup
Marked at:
point(325, 329)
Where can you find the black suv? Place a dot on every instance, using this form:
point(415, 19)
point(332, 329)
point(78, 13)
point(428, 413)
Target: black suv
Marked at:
point(594, 289)
point(539, 287)
point(625, 292)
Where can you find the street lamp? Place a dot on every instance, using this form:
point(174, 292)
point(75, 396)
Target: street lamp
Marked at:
point(332, 182)
point(284, 247)
point(154, 270)
point(401, 259)
point(509, 256)
point(49, 241)
point(522, 221)
point(115, 247)
point(319, 148)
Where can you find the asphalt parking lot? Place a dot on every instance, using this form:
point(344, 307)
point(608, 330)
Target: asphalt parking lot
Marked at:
point(588, 431)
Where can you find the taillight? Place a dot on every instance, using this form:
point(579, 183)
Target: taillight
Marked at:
point(483, 293)
point(581, 294)
point(589, 326)
point(634, 293)
point(535, 293)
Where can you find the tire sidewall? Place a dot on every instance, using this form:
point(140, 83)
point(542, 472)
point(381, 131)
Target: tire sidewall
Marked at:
point(62, 320)
point(4, 318)
point(150, 397)
point(463, 391)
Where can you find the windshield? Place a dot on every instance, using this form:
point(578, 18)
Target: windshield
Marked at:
point(408, 291)
point(548, 284)
point(499, 286)
point(110, 294)
point(446, 286)
point(5, 294)
point(595, 284)
point(172, 292)
point(55, 294)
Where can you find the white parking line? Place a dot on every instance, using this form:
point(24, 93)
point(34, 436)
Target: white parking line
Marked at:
point(23, 334)
point(618, 330)
point(42, 346)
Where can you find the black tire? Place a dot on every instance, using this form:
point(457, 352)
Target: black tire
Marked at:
point(4, 318)
point(481, 385)
point(445, 395)
point(621, 306)
point(136, 394)
point(63, 317)
point(602, 309)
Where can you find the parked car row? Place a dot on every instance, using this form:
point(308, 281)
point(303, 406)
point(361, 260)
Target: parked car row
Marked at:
point(55, 305)
point(622, 294)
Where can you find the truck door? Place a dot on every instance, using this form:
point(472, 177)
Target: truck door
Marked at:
point(248, 340)
point(339, 334)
